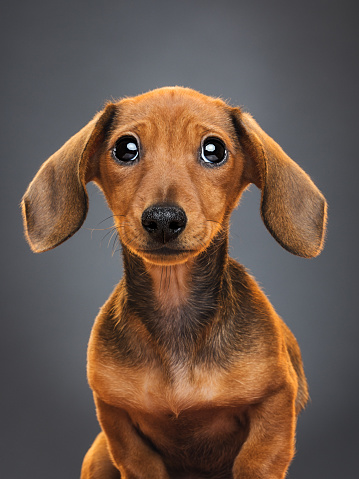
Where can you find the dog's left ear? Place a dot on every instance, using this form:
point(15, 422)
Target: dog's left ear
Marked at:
point(55, 204)
point(292, 207)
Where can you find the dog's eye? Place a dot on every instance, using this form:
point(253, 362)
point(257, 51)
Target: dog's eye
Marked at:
point(213, 151)
point(126, 149)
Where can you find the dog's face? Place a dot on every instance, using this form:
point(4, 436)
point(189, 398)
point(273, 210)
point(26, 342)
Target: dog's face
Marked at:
point(172, 164)
point(171, 174)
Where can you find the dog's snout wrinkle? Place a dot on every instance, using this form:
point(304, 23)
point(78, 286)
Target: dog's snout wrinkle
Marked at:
point(164, 223)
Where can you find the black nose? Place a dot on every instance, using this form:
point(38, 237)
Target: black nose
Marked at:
point(164, 223)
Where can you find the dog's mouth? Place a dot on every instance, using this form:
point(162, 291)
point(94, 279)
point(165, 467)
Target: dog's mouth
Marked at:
point(165, 251)
point(165, 254)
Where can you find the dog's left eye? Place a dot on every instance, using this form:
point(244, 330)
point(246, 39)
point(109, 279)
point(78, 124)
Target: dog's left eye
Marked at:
point(213, 151)
point(126, 149)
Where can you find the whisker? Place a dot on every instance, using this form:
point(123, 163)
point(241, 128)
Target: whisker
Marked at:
point(108, 233)
point(109, 241)
point(127, 241)
point(109, 217)
point(100, 229)
point(116, 238)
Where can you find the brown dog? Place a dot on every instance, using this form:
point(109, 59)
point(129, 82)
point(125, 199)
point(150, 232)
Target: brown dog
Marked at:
point(194, 374)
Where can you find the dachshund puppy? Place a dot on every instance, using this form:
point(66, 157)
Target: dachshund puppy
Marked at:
point(194, 375)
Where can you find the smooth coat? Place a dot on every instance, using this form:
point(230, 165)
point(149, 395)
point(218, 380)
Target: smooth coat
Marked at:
point(194, 374)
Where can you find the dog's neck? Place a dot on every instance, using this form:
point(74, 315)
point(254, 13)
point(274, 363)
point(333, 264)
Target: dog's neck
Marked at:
point(179, 301)
point(170, 284)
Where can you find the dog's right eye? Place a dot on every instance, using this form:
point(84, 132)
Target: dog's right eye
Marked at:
point(126, 149)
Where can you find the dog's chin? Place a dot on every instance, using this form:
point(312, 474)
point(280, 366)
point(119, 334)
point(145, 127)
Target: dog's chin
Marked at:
point(166, 256)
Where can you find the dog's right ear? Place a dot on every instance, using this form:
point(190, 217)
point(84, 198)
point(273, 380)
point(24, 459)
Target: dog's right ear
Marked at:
point(55, 204)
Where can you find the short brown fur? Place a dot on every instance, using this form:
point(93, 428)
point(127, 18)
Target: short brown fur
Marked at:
point(194, 374)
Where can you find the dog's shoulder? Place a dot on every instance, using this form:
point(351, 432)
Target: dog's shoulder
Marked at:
point(248, 304)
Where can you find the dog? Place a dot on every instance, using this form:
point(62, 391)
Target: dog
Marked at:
point(194, 375)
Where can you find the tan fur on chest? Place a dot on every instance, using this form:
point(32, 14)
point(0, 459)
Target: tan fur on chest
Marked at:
point(151, 391)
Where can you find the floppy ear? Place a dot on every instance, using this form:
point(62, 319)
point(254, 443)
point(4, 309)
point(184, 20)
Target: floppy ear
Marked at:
point(292, 207)
point(55, 204)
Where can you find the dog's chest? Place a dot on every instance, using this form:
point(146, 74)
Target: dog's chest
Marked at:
point(190, 412)
point(152, 389)
point(128, 375)
point(176, 389)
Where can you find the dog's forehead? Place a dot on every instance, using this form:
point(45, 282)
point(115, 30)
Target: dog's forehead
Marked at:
point(171, 108)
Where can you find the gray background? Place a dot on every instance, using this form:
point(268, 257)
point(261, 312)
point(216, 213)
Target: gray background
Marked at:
point(294, 66)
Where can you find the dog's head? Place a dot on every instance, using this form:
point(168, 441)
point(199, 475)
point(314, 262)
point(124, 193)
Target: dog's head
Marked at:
point(172, 164)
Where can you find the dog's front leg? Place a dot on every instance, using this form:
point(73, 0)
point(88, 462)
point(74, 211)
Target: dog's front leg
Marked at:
point(269, 448)
point(131, 455)
point(97, 463)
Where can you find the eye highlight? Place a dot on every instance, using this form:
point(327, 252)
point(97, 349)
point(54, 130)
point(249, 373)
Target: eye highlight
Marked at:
point(213, 151)
point(126, 149)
